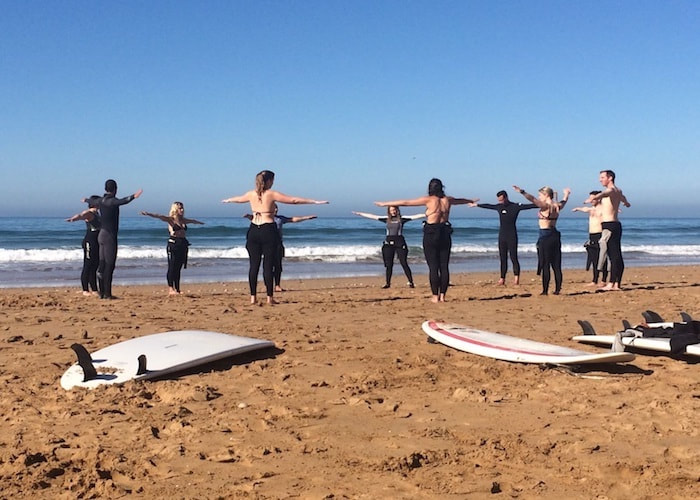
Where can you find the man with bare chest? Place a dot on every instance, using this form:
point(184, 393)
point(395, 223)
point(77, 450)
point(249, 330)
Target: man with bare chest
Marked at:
point(610, 199)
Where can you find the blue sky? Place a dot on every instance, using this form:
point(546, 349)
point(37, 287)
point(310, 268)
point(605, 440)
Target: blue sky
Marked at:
point(350, 101)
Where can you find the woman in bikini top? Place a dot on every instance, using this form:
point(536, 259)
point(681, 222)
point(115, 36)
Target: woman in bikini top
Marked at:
point(437, 203)
point(177, 222)
point(262, 199)
point(549, 208)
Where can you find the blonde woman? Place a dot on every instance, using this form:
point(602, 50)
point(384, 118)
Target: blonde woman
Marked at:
point(263, 238)
point(178, 246)
point(549, 241)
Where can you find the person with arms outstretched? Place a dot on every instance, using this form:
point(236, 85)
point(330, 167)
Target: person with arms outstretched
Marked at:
point(437, 233)
point(610, 199)
point(108, 241)
point(394, 243)
point(178, 246)
point(549, 241)
point(593, 246)
point(91, 251)
point(262, 239)
point(507, 232)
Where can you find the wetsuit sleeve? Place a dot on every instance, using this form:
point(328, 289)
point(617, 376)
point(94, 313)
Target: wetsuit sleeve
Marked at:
point(284, 219)
point(118, 201)
point(526, 206)
point(383, 219)
point(489, 206)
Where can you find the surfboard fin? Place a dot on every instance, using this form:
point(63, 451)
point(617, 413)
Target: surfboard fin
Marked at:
point(85, 362)
point(142, 365)
point(687, 318)
point(586, 327)
point(626, 324)
point(652, 317)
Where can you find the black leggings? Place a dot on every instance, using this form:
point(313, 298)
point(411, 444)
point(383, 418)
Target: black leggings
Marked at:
point(437, 244)
point(262, 242)
point(277, 269)
point(508, 244)
point(549, 255)
point(177, 259)
point(617, 264)
point(108, 261)
point(91, 261)
point(396, 245)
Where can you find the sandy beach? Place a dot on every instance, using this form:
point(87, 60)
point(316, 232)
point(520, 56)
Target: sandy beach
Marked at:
point(353, 402)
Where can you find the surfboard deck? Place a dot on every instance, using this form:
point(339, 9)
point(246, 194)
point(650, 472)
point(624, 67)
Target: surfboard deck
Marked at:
point(509, 348)
point(153, 356)
point(647, 343)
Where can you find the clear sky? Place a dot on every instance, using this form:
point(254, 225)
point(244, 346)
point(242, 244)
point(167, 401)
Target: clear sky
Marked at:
point(351, 101)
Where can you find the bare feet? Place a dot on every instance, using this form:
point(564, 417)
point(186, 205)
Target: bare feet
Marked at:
point(172, 291)
point(612, 287)
point(501, 282)
point(279, 289)
point(86, 293)
point(516, 280)
point(252, 300)
point(591, 284)
point(271, 301)
point(435, 299)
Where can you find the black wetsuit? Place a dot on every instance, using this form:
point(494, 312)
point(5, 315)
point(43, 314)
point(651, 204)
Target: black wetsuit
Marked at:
point(91, 254)
point(617, 264)
point(593, 251)
point(109, 211)
point(437, 245)
point(395, 245)
point(177, 257)
point(508, 233)
point(549, 255)
point(262, 241)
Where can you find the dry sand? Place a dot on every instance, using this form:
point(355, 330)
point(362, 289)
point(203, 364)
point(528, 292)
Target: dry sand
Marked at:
point(353, 403)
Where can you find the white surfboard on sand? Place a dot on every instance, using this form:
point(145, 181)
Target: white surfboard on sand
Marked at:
point(508, 348)
point(648, 343)
point(153, 356)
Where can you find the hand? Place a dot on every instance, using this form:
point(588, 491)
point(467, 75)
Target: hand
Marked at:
point(317, 202)
point(138, 193)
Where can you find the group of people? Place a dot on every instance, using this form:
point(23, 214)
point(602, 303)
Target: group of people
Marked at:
point(265, 247)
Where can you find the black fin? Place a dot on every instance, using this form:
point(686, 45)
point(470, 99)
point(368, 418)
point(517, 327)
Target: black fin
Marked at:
point(85, 362)
point(142, 365)
point(586, 327)
point(687, 318)
point(626, 324)
point(652, 317)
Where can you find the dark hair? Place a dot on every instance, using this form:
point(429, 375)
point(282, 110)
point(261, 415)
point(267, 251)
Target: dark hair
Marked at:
point(436, 188)
point(111, 186)
point(94, 201)
point(501, 193)
point(388, 211)
point(609, 173)
point(593, 193)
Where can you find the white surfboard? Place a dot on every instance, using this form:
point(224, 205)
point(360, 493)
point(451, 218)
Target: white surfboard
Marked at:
point(648, 343)
point(153, 356)
point(508, 348)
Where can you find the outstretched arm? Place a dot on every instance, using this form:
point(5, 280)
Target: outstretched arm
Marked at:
point(296, 200)
point(415, 202)
point(237, 199)
point(567, 193)
point(413, 217)
point(528, 196)
point(624, 201)
point(164, 218)
point(462, 201)
point(84, 215)
point(369, 216)
point(302, 218)
point(192, 221)
point(582, 209)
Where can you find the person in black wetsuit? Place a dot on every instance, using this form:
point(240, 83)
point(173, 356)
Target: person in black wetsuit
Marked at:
point(109, 211)
point(507, 232)
point(549, 242)
point(437, 233)
point(178, 246)
point(394, 243)
point(91, 252)
point(262, 239)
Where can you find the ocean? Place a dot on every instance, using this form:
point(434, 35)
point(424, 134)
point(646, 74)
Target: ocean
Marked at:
point(46, 252)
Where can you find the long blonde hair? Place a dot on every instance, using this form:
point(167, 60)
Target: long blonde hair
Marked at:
point(263, 181)
point(174, 207)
